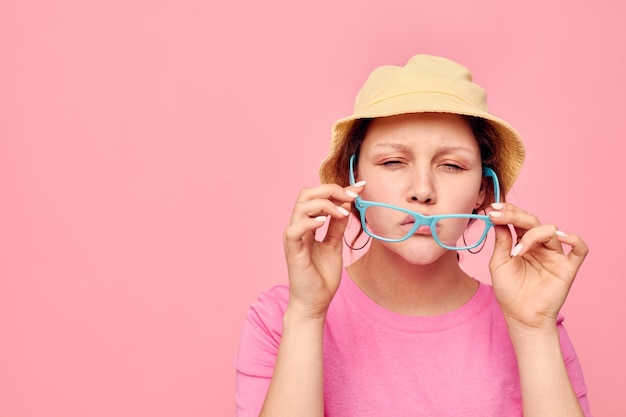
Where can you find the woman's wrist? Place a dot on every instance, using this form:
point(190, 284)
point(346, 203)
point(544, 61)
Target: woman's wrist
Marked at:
point(301, 316)
point(532, 337)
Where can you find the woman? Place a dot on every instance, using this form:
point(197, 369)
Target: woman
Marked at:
point(404, 330)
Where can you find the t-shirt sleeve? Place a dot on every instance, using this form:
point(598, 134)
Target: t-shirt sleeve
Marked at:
point(258, 348)
point(574, 368)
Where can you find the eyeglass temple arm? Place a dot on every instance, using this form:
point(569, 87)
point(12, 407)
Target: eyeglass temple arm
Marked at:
point(352, 180)
point(488, 172)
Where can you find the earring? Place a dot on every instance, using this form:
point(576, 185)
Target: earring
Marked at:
point(482, 245)
point(480, 248)
point(360, 247)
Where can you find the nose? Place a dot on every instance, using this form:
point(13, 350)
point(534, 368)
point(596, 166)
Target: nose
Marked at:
point(422, 189)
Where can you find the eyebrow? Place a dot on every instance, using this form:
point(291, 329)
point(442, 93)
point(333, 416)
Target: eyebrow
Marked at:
point(394, 145)
point(457, 148)
point(442, 149)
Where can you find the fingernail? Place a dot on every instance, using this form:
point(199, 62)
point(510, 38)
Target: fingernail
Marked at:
point(343, 211)
point(359, 184)
point(351, 194)
point(495, 214)
point(517, 249)
point(320, 218)
point(560, 233)
point(497, 206)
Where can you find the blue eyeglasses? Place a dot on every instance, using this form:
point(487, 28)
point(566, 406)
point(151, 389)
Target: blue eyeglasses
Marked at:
point(444, 228)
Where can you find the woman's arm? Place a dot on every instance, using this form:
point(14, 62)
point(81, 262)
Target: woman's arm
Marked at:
point(545, 383)
point(297, 388)
point(531, 282)
point(314, 268)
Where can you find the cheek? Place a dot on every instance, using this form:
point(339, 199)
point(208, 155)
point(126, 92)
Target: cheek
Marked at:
point(386, 222)
point(464, 199)
point(472, 200)
point(381, 191)
point(450, 230)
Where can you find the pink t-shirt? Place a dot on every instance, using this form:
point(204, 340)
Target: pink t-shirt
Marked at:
point(378, 363)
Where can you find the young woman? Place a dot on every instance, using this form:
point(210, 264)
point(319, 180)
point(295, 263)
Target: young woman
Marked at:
point(404, 331)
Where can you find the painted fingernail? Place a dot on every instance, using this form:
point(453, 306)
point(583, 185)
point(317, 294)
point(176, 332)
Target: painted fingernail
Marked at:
point(320, 219)
point(497, 206)
point(495, 214)
point(343, 211)
point(351, 194)
point(517, 249)
point(359, 184)
point(560, 233)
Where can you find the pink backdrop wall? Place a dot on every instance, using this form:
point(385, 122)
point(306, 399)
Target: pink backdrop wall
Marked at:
point(150, 153)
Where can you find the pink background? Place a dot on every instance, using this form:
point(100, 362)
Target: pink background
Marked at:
point(151, 151)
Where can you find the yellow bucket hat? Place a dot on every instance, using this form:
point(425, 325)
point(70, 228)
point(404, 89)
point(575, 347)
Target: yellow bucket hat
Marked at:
point(425, 84)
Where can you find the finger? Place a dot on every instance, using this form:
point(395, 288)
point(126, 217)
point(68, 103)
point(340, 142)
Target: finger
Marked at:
point(316, 208)
point(298, 234)
point(335, 232)
point(332, 192)
point(579, 248)
point(507, 213)
point(502, 245)
point(544, 235)
point(311, 215)
point(313, 206)
point(323, 200)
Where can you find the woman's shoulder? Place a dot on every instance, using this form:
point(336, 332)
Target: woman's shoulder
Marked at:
point(261, 333)
point(262, 328)
point(272, 302)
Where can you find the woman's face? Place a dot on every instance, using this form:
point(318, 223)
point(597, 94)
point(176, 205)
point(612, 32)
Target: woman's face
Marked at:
point(425, 162)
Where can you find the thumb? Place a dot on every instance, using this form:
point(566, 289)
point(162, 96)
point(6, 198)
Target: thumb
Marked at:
point(502, 246)
point(336, 229)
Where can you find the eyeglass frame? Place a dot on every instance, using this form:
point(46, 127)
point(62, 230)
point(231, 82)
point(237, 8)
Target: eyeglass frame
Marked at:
point(426, 220)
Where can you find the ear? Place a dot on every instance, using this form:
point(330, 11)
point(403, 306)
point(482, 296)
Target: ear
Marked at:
point(480, 198)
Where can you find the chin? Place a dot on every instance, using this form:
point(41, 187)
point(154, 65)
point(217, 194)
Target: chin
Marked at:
point(418, 253)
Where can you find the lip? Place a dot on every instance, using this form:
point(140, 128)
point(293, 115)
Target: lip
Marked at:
point(423, 229)
point(408, 220)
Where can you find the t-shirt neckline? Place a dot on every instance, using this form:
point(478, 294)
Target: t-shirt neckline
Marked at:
point(374, 312)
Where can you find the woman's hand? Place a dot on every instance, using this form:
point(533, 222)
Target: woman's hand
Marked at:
point(532, 278)
point(314, 267)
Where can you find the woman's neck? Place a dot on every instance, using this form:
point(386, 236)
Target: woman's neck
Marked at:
point(416, 290)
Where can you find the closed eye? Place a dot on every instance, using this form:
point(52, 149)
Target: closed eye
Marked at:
point(452, 167)
point(392, 162)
